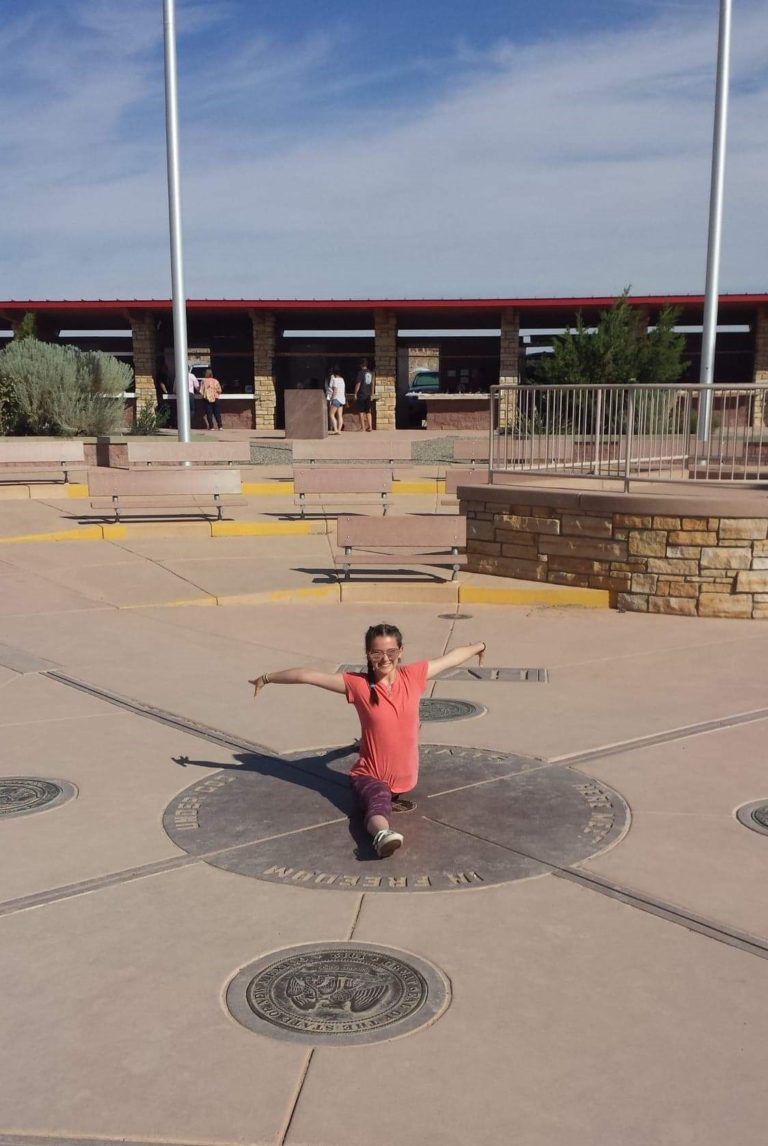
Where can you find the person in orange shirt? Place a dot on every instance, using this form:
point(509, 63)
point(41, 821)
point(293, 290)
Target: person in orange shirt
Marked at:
point(386, 699)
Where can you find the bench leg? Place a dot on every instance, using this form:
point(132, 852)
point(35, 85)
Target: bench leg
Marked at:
point(385, 504)
point(301, 504)
point(347, 551)
point(217, 499)
point(455, 573)
point(116, 505)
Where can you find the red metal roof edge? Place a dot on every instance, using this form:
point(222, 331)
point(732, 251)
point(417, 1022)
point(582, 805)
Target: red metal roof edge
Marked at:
point(377, 304)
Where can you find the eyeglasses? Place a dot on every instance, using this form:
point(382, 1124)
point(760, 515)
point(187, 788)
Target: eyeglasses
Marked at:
point(385, 655)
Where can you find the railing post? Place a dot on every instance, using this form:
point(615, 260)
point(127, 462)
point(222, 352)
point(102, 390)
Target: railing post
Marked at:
point(630, 434)
point(598, 435)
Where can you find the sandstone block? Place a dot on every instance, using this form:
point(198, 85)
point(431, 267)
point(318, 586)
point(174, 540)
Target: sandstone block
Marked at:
point(631, 521)
point(725, 557)
point(694, 523)
point(525, 570)
point(581, 580)
point(674, 565)
point(760, 562)
point(525, 553)
point(587, 526)
point(752, 582)
point(584, 547)
point(487, 548)
point(578, 565)
point(719, 586)
point(617, 584)
point(666, 523)
point(620, 534)
point(692, 537)
point(632, 602)
point(679, 589)
point(760, 612)
point(689, 552)
point(515, 537)
point(648, 543)
point(479, 530)
point(530, 524)
point(678, 606)
point(747, 528)
point(644, 582)
point(725, 605)
point(713, 523)
point(760, 549)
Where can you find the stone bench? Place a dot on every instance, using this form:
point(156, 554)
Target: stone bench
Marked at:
point(199, 453)
point(471, 450)
point(415, 537)
point(363, 447)
point(29, 456)
point(341, 485)
point(148, 488)
point(456, 477)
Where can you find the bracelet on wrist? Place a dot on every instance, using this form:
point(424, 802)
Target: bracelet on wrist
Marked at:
point(265, 677)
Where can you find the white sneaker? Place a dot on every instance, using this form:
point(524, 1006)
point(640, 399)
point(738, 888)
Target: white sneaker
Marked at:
point(386, 842)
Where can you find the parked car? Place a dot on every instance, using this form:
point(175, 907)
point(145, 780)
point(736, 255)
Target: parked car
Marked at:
point(423, 382)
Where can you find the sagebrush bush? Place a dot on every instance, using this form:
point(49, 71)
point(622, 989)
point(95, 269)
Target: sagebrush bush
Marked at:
point(60, 390)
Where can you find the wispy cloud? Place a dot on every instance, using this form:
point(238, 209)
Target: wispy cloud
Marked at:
point(569, 166)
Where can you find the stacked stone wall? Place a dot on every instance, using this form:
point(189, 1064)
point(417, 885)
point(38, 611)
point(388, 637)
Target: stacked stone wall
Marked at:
point(144, 362)
point(704, 564)
point(385, 322)
point(264, 391)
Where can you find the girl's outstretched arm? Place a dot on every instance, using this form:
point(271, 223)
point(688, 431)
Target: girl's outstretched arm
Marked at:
point(455, 658)
point(333, 681)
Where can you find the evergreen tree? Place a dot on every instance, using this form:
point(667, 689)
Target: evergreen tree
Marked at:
point(620, 350)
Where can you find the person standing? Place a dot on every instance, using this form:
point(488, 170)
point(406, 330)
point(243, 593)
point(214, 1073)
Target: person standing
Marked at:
point(386, 698)
point(211, 391)
point(364, 395)
point(193, 384)
point(338, 396)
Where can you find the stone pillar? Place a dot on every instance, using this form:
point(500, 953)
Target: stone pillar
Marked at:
point(264, 388)
point(760, 371)
point(144, 359)
point(385, 353)
point(509, 350)
point(509, 364)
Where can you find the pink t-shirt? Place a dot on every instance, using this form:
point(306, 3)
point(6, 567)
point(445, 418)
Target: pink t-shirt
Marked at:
point(389, 746)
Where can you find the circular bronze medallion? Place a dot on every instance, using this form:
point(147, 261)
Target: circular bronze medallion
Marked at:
point(433, 708)
point(337, 994)
point(20, 795)
point(479, 818)
point(754, 815)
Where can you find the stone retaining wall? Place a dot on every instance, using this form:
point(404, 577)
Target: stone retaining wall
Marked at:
point(692, 555)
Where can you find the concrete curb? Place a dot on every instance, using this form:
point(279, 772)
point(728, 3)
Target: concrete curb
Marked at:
point(443, 593)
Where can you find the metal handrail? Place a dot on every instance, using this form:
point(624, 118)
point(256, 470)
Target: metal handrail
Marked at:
point(630, 433)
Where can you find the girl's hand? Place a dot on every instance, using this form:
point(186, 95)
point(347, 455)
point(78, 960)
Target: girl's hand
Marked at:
point(258, 685)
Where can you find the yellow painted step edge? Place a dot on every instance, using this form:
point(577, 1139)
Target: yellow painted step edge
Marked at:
point(556, 596)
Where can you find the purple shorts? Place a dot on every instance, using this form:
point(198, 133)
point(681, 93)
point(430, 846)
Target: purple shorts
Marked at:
point(374, 796)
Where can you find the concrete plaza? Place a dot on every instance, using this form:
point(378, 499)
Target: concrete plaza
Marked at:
point(615, 999)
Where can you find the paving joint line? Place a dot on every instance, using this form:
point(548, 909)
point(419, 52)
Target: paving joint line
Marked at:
point(143, 871)
point(709, 928)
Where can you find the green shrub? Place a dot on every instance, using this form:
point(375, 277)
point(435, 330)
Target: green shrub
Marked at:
point(59, 390)
point(150, 419)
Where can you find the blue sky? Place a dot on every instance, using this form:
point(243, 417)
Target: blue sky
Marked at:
point(379, 150)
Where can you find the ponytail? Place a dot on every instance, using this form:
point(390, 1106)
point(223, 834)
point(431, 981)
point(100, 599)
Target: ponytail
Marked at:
point(372, 685)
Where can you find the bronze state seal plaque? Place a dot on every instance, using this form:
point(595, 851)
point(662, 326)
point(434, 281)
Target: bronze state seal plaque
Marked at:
point(20, 795)
point(337, 994)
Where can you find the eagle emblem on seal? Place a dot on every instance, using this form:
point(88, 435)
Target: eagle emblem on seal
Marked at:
point(351, 993)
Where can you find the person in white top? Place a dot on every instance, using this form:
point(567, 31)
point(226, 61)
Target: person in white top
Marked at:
point(193, 385)
point(337, 393)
